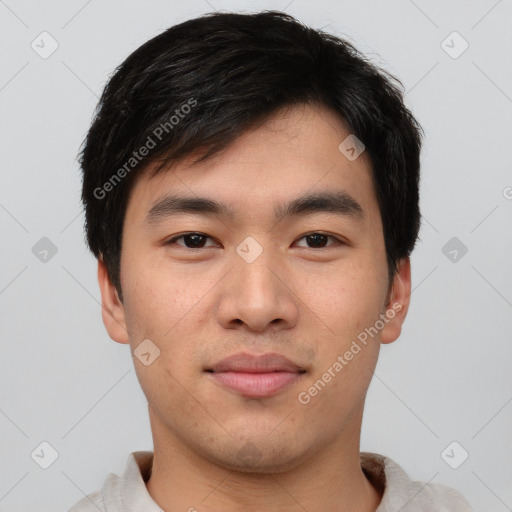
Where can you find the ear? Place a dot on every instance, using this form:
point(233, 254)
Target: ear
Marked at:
point(398, 303)
point(112, 309)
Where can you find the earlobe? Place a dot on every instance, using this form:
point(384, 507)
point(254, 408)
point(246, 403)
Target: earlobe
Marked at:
point(112, 309)
point(398, 304)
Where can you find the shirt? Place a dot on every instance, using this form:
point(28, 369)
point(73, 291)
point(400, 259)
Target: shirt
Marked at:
point(128, 493)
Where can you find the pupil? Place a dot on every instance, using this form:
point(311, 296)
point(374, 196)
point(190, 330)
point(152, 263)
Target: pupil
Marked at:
point(316, 238)
point(197, 239)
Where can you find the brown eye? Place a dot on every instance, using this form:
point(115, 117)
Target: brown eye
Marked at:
point(319, 240)
point(191, 240)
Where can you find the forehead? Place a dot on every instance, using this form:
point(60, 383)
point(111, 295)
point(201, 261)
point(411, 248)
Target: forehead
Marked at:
point(292, 154)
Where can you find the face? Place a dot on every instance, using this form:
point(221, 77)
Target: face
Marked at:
point(310, 284)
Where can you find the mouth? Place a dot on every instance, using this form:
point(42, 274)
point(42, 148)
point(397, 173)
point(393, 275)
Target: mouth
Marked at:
point(255, 376)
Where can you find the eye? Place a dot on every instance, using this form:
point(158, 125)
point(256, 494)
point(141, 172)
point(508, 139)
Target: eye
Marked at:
point(192, 240)
point(318, 240)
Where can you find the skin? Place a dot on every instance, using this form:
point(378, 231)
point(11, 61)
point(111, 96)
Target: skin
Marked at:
point(307, 303)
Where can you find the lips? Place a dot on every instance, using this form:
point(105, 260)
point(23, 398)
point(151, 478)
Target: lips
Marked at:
point(255, 376)
point(248, 363)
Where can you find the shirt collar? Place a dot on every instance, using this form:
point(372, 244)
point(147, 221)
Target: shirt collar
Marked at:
point(129, 493)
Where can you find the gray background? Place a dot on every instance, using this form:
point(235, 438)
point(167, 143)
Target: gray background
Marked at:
point(448, 378)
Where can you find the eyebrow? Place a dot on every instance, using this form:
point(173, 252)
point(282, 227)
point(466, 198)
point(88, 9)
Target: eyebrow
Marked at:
point(339, 202)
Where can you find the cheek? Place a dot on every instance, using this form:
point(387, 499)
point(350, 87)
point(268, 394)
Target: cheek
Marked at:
point(160, 308)
point(167, 306)
point(158, 295)
point(345, 298)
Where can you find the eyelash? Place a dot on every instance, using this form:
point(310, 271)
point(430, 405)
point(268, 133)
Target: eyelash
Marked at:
point(173, 240)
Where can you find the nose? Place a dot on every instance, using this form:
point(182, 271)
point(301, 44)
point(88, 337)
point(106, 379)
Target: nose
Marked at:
point(258, 295)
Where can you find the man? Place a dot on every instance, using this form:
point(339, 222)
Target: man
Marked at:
point(251, 194)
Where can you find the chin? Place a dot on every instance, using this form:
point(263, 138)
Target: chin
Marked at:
point(258, 457)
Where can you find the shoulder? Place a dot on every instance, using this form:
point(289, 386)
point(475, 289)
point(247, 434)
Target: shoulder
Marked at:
point(399, 492)
point(445, 499)
point(129, 486)
point(90, 503)
point(105, 500)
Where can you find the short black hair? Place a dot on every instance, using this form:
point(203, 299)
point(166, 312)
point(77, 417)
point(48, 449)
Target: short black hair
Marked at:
point(197, 86)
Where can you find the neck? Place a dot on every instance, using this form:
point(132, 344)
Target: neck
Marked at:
point(329, 479)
